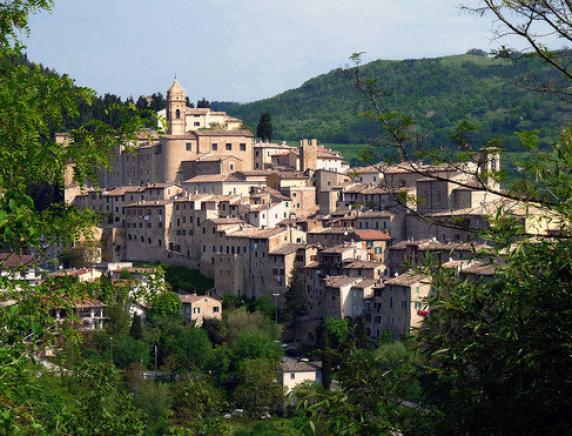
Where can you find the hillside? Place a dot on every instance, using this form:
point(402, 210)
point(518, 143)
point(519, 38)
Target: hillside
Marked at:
point(437, 92)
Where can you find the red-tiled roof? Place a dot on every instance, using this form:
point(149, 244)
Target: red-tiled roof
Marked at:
point(408, 279)
point(12, 260)
point(193, 298)
point(372, 235)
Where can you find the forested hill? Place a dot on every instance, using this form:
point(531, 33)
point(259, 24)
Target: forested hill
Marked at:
point(437, 92)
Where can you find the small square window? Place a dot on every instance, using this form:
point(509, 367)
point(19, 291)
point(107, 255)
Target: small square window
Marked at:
point(228, 147)
point(189, 146)
point(292, 375)
point(242, 147)
point(214, 146)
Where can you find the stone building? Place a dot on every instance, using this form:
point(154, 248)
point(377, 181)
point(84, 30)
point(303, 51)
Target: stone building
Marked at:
point(196, 141)
point(146, 226)
point(294, 373)
point(406, 254)
point(399, 305)
point(255, 262)
point(197, 308)
point(345, 296)
point(263, 152)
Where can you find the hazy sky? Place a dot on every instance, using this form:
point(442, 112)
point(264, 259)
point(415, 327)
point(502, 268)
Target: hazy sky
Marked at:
point(239, 50)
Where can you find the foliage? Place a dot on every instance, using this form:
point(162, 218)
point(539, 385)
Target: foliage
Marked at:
point(118, 320)
point(136, 330)
point(257, 391)
point(270, 427)
point(198, 398)
point(156, 400)
point(127, 350)
point(216, 329)
point(203, 103)
point(104, 405)
point(190, 347)
point(336, 331)
point(166, 304)
point(437, 93)
point(264, 305)
point(264, 130)
point(499, 351)
point(185, 280)
point(255, 345)
point(296, 301)
point(181, 279)
point(241, 320)
point(230, 301)
point(373, 384)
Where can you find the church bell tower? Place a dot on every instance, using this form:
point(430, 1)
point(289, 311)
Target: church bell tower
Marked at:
point(176, 114)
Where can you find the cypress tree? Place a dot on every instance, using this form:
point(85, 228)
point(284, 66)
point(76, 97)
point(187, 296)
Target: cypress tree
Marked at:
point(264, 130)
point(136, 330)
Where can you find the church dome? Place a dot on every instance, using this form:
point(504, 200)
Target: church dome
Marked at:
point(175, 90)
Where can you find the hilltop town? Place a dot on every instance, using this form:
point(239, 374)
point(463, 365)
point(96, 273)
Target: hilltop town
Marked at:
point(249, 215)
point(387, 252)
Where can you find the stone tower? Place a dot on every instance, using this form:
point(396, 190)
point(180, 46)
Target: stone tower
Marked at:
point(488, 161)
point(308, 154)
point(176, 114)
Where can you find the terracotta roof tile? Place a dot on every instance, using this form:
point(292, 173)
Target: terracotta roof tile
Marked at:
point(12, 260)
point(372, 235)
point(301, 366)
point(408, 279)
point(193, 298)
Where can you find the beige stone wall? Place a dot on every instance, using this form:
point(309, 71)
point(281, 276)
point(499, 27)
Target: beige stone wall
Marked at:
point(399, 306)
point(303, 200)
point(147, 232)
point(327, 202)
point(299, 377)
point(328, 180)
point(240, 146)
point(308, 154)
point(458, 231)
point(204, 308)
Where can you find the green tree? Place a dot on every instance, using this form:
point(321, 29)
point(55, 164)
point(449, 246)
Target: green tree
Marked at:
point(296, 301)
point(264, 129)
point(118, 320)
point(190, 348)
point(198, 398)
point(128, 350)
point(257, 391)
point(216, 329)
point(255, 344)
point(203, 103)
point(136, 330)
point(499, 350)
point(166, 304)
point(156, 400)
point(373, 385)
point(34, 104)
point(230, 301)
point(104, 406)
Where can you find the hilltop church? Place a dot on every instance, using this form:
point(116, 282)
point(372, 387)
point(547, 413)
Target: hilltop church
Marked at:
point(198, 141)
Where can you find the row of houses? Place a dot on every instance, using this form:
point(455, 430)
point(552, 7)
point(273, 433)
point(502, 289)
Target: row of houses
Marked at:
point(353, 237)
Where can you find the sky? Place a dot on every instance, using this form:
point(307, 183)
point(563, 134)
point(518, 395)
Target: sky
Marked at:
point(239, 50)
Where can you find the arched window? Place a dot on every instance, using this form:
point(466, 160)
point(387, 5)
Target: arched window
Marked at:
point(178, 113)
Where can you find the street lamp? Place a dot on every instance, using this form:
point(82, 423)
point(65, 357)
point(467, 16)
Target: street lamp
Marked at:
point(276, 306)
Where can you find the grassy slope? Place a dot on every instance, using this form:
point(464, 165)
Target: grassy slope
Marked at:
point(183, 280)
